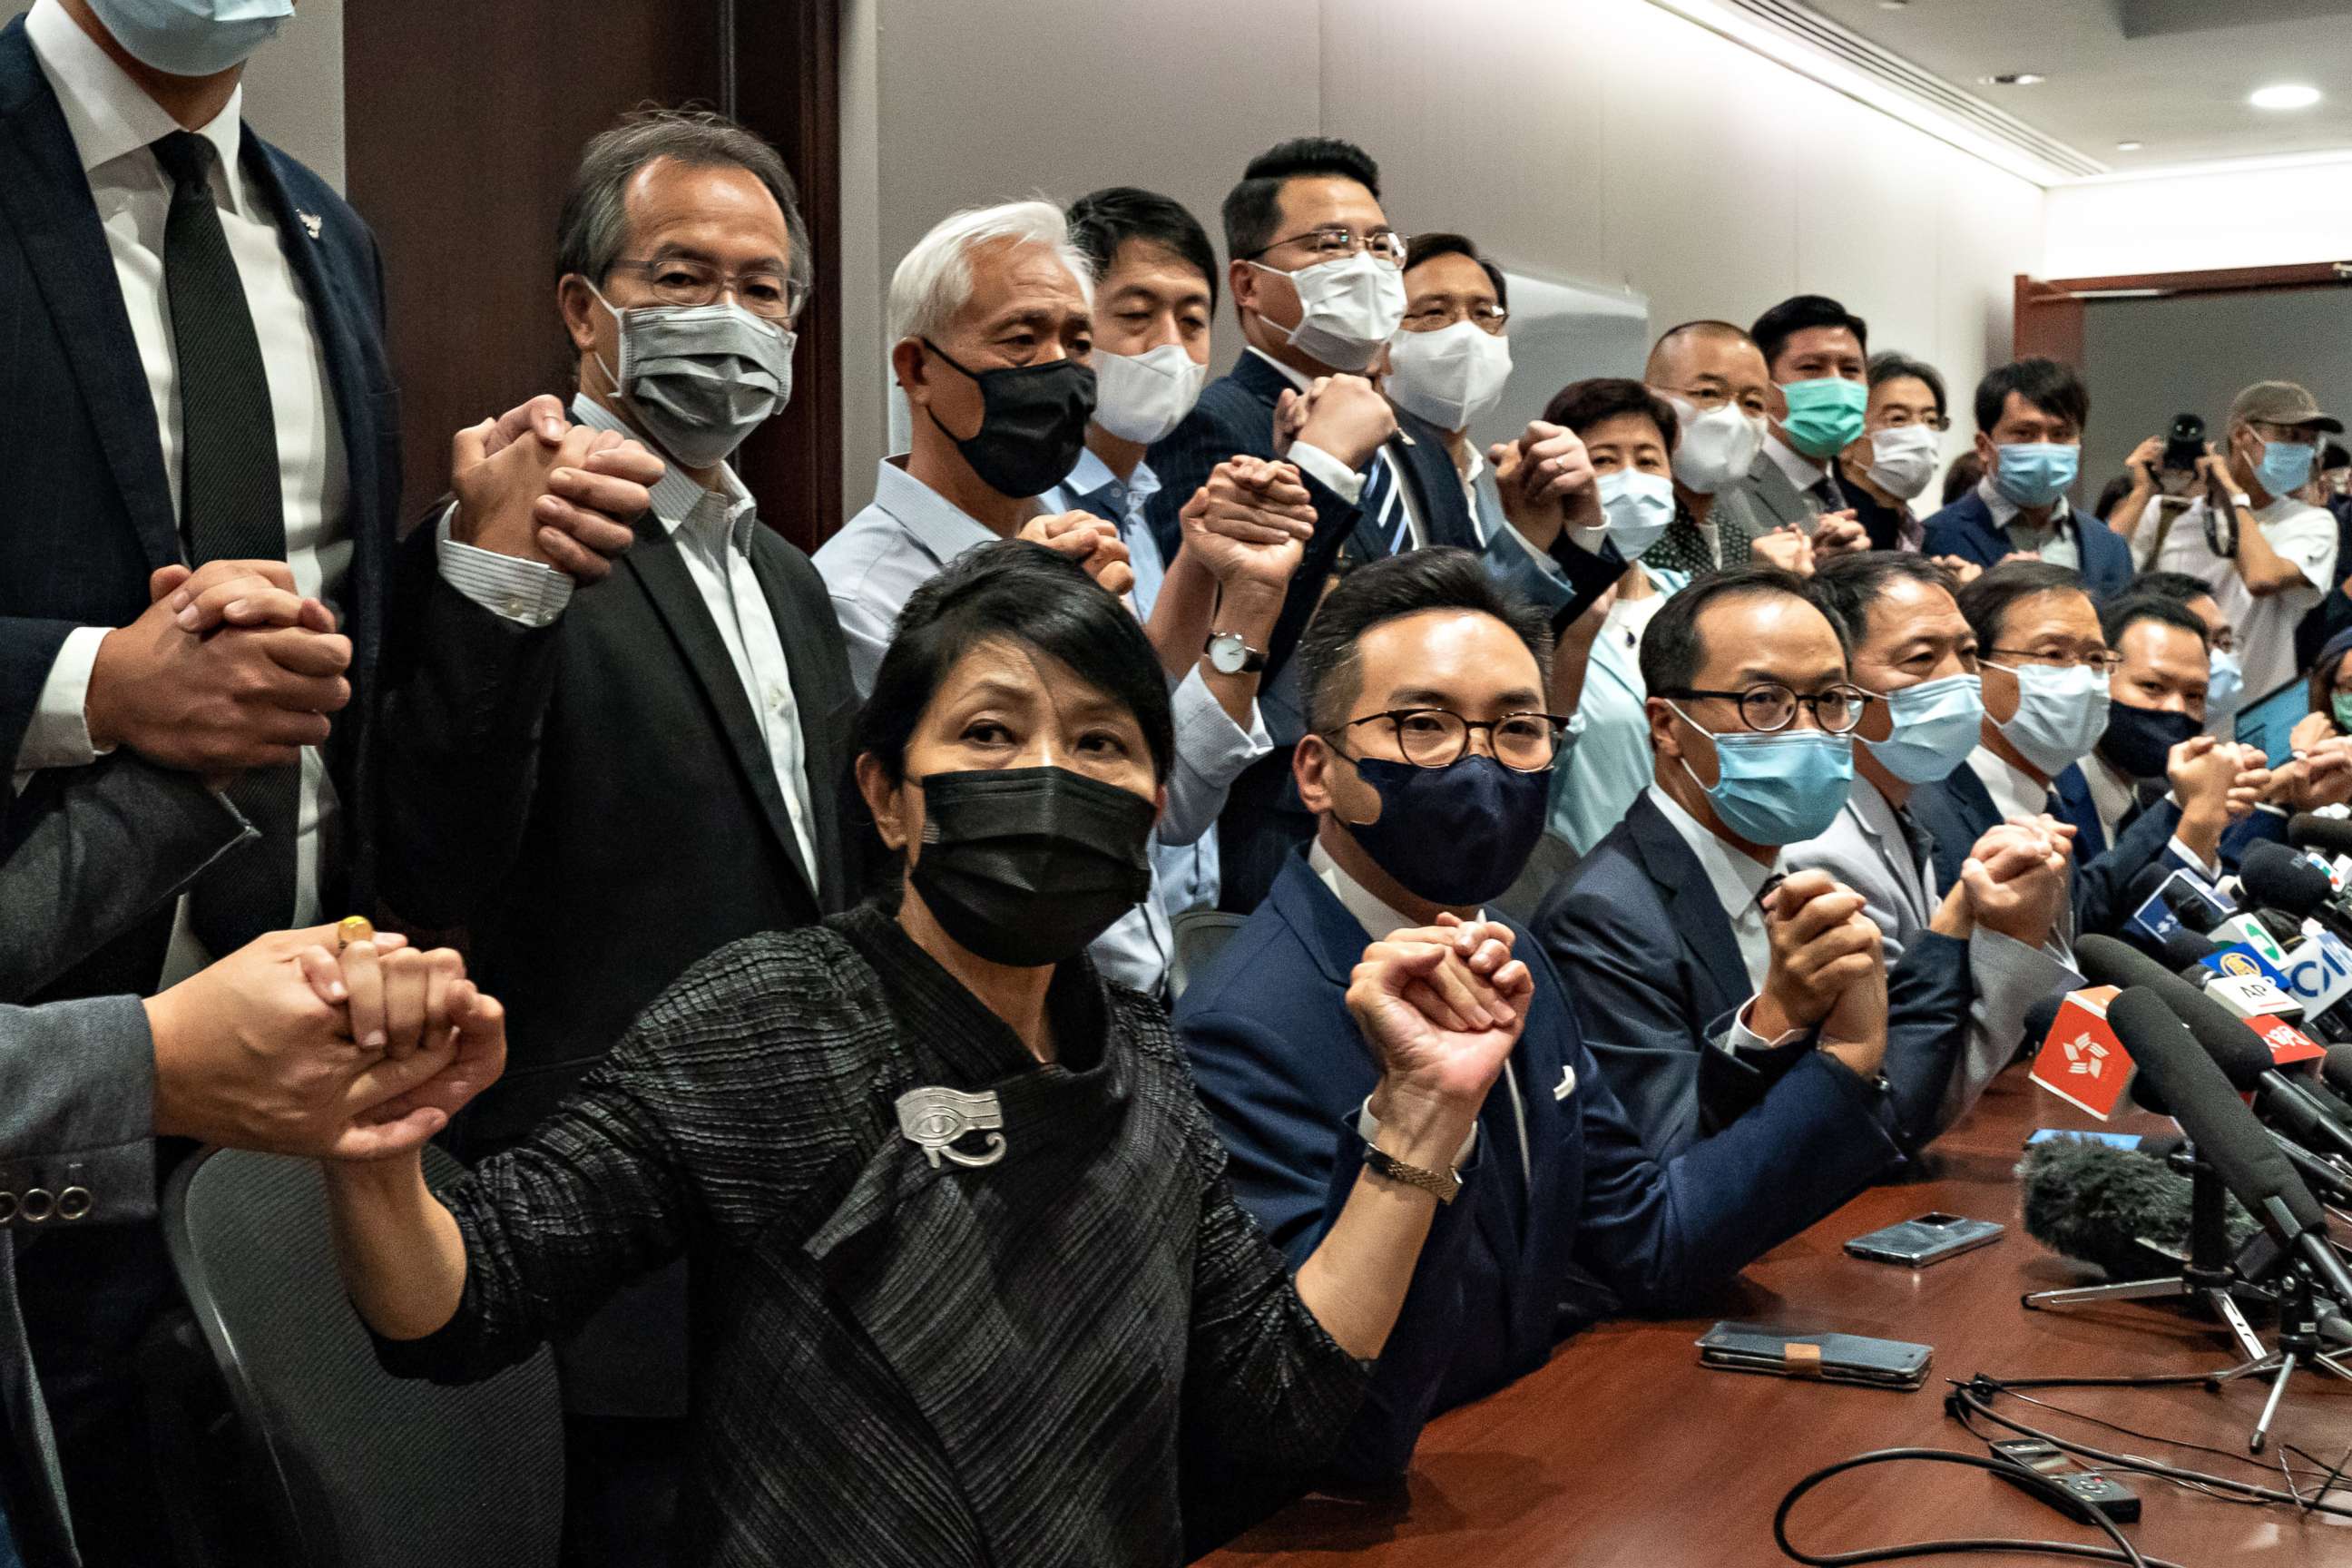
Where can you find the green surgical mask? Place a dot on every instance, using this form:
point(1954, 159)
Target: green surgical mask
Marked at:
point(2342, 705)
point(1826, 414)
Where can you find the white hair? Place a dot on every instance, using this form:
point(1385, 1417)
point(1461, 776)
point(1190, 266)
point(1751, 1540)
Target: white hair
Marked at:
point(934, 281)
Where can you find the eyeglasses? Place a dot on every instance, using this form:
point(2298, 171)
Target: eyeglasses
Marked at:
point(1437, 738)
point(1437, 316)
point(1936, 422)
point(2106, 661)
point(1770, 706)
point(1333, 241)
point(1707, 399)
point(677, 280)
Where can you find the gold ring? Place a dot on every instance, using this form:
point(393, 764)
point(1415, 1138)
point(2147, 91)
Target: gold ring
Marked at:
point(351, 929)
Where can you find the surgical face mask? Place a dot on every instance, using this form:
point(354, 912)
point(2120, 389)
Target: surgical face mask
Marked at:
point(1640, 508)
point(1826, 414)
point(2285, 466)
point(1347, 309)
point(2340, 705)
point(1717, 448)
point(1026, 865)
point(1902, 460)
point(1452, 377)
point(1142, 397)
point(2035, 473)
point(2139, 740)
point(1936, 726)
point(1456, 836)
point(701, 377)
point(1779, 789)
point(2060, 714)
point(1032, 423)
point(2225, 685)
point(192, 37)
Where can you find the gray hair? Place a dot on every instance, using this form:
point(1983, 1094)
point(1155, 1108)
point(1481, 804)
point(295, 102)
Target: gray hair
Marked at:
point(594, 227)
point(934, 281)
point(1894, 366)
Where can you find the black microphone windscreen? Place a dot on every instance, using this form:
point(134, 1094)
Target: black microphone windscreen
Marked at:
point(2207, 1108)
point(2337, 1069)
point(2222, 1036)
point(2184, 949)
point(2329, 835)
point(2043, 1016)
point(2119, 1208)
point(2189, 907)
point(2276, 877)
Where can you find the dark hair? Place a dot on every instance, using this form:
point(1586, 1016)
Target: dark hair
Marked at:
point(2048, 385)
point(593, 231)
point(1986, 601)
point(1847, 586)
point(1581, 404)
point(2322, 675)
point(1784, 320)
point(1894, 366)
point(2111, 492)
point(1253, 207)
point(1672, 653)
point(1439, 578)
point(1424, 247)
point(2121, 615)
point(2178, 587)
point(1101, 221)
point(2335, 456)
point(1966, 471)
point(1015, 592)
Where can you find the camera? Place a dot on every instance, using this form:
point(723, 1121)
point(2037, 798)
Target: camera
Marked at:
point(2184, 445)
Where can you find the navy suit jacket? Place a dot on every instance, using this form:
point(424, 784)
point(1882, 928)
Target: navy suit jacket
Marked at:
point(1966, 529)
point(88, 507)
point(1573, 1224)
point(1659, 976)
point(1958, 810)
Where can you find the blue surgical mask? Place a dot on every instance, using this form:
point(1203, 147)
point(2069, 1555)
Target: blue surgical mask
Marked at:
point(1937, 725)
point(2285, 466)
point(2225, 685)
point(2036, 473)
point(1456, 836)
point(2060, 714)
point(1640, 509)
point(1779, 789)
point(192, 37)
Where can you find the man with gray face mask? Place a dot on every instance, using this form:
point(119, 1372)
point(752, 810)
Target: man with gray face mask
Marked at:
point(606, 784)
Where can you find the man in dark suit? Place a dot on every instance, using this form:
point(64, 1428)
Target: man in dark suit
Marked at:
point(195, 364)
point(604, 787)
point(1570, 1217)
point(1699, 965)
point(2029, 419)
point(1815, 353)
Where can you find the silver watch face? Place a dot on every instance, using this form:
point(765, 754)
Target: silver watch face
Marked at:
point(1228, 653)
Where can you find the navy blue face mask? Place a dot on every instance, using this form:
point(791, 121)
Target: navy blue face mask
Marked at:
point(1456, 836)
point(2139, 740)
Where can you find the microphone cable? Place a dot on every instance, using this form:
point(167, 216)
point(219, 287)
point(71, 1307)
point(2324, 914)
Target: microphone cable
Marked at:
point(2123, 1551)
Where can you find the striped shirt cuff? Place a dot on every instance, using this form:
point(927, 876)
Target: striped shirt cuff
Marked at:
point(528, 592)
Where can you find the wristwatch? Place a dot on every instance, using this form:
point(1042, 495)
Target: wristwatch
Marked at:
point(1231, 653)
point(2241, 502)
point(1439, 1185)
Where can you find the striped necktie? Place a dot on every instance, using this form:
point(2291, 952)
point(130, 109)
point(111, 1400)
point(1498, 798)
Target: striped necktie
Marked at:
point(1383, 506)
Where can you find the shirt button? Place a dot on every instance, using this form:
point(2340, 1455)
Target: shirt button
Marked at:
point(517, 609)
point(775, 699)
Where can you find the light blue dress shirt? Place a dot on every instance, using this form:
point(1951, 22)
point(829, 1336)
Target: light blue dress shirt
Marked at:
point(1610, 766)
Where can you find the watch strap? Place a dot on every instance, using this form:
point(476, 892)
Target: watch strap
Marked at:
point(1440, 1185)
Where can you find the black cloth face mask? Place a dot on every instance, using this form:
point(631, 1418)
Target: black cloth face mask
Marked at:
point(1026, 865)
point(2139, 740)
point(1032, 423)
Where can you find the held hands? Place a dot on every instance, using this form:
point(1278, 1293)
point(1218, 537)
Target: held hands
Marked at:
point(1249, 525)
point(531, 485)
point(1963, 571)
point(2203, 772)
point(1546, 483)
point(1344, 416)
point(1441, 1006)
point(1838, 533)
point(1788, 547)
point(1824, 948)
point(2014, 879)
point(2319, 775)
point(1088, 539)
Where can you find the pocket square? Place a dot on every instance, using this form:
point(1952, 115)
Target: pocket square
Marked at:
point(1566, 1085)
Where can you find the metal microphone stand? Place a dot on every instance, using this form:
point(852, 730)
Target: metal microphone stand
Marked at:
point(2211, 1275)
point(2299, 1345)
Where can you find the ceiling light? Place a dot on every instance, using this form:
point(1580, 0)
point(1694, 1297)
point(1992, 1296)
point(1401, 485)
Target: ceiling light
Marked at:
point(2014, 78)
point(1892, 5)
point(2128, 146)
point(2285, 95)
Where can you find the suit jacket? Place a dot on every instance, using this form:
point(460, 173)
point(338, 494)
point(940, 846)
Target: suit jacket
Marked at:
point(1551, 1232)
point(1966, 529)
point(1763, 501)
point(88, 504)
point(1660, 1022)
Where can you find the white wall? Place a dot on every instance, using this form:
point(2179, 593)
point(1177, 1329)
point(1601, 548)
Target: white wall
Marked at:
point(2257, 216)
point(1606, 140)
point(294, 88)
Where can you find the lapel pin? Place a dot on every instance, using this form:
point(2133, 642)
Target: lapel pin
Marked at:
point(935, 1118)
point(313, 224)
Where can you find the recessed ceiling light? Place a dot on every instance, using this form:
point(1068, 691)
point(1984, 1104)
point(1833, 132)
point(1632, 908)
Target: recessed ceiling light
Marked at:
point(1892, 5)
point(2014, 78)
point(2285, 95)
point(2128, 146)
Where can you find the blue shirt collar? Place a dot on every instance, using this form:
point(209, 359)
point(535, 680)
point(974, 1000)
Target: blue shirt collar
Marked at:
point(937, 523)
point(1093, 478)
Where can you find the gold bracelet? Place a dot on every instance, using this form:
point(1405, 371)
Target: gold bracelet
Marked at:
point(1440, 1185)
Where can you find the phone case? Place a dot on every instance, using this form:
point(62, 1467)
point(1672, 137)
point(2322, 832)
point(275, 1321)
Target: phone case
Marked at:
point(1830, 1358)
point(1915, 1244)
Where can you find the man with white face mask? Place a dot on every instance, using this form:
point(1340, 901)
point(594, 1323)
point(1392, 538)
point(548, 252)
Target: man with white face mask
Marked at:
point(1900, 451)
point(1449, 363)
point(1712, 375)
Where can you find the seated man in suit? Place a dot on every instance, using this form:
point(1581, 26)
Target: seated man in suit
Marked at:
point(1425, 766)
point(1914, 654)
point(1815, 351)
point(2046, 667)
point(1698, 967)
point(2030, 419)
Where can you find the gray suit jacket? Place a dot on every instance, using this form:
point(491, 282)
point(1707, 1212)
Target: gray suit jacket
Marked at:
point(1866, 849)
point(1763, 502)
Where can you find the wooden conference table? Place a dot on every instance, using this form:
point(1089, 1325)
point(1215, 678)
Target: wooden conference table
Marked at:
point(1623, 1452)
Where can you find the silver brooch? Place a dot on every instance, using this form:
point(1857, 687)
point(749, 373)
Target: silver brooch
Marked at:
point(313, 224)
point(935, 1118)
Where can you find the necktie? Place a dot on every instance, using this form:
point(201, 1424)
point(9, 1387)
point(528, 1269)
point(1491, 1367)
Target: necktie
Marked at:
point(1382, 507)
point(231, 508)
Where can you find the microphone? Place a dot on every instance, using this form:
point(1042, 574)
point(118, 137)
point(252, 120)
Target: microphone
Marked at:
point(2124, 1210)
point(2275, 876)
point(2337, 1069)
point(2327, 834)
point(2227, 1134)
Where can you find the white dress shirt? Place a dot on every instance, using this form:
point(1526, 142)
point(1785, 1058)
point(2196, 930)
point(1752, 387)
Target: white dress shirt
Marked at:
point(2304, 535)
point(1738, 881)
point(1341, 480)
point(1805, 473)
point(2015, 792)
point(2054, 542)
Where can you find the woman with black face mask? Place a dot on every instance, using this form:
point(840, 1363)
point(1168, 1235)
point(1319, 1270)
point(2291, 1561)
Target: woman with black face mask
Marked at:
point(967, 1273)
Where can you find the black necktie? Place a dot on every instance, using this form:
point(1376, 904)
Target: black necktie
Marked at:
point(231, 508)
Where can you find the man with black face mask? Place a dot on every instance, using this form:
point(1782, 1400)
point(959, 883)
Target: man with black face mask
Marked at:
point(1426, 766)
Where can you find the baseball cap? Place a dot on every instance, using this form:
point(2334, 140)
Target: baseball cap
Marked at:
point(2280, 403)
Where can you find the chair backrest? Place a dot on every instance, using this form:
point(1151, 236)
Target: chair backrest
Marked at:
point(365, 1471)
point(1200, 935)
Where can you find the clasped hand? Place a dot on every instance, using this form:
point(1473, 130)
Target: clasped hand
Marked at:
point(1441, 1008)
point(531, 485)
point(1828, 970)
